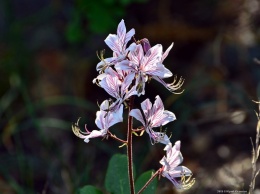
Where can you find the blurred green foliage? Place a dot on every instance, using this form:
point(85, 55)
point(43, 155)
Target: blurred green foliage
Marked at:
point(101, 17)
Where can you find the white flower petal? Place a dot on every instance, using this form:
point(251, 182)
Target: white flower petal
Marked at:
point(136, 113)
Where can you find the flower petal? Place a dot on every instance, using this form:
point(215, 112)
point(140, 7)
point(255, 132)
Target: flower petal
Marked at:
point(121, 31)
point(115, 116)
point(112, 42)
point(165, 54)
point(136, 113)
point(146, 107)
point(93, 134)
point(111, 85)
point(152, 57)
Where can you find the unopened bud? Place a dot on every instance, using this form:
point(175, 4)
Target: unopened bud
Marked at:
point(145, 44)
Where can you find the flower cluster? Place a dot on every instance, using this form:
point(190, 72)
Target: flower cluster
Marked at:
point(125, 75)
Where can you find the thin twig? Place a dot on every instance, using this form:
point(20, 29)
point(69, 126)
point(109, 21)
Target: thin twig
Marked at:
point(116, 138)
point(255, 155)
point(149, 181)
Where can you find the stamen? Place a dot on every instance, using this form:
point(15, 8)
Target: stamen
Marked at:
point(76, 130)
point(187, 183)
point(176, 86)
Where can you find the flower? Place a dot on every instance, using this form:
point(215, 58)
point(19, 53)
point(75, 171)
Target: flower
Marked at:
point(117, 43)
point(117, 85)
point(104, 120)
point(145, 64)
point(154, 116)
point(171, 169)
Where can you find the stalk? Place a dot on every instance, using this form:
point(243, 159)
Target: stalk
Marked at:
point(129, 147)
point(149, 181)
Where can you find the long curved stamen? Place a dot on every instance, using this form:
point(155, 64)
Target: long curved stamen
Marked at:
point(76, 130)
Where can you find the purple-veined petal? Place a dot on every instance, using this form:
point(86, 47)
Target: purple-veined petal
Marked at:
point(136, 113)
point(152, 57)
point(179, 171)
point(131, 92)
point(94, 134)
point(176, 183)
point(165, 54)
point(162, 119)
point(111, 85)
point(100, 119)
point(124, 66)
point(121, 31)
point(159, 70)
point(127, 81)
point(115, 116)
point(129, 35)
point(112, 43)
point(131, 48)
point(146, 107)
point(158, 105)
point(136, 56)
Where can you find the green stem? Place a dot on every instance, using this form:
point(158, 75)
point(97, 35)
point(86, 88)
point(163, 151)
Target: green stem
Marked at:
point(129, 148)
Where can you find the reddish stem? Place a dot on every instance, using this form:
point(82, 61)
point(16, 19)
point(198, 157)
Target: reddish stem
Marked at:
point(149, 181)
point(115, 137)
point(129, 147)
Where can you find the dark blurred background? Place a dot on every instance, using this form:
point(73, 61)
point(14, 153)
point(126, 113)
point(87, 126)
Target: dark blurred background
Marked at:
point(47, 64)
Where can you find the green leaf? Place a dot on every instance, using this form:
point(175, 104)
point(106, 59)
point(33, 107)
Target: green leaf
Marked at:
point(89, 189)
point(116, 181)
point(74, 31)
point(140, 182)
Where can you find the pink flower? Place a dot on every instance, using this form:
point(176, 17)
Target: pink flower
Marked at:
point(154, 116)
point(171, 169)
point(117, 43)
point(117, 85)
point(104, 120)
point(145, 65)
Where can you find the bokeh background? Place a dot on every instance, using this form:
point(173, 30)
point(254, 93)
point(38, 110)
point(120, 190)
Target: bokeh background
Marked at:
point(47, 64)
